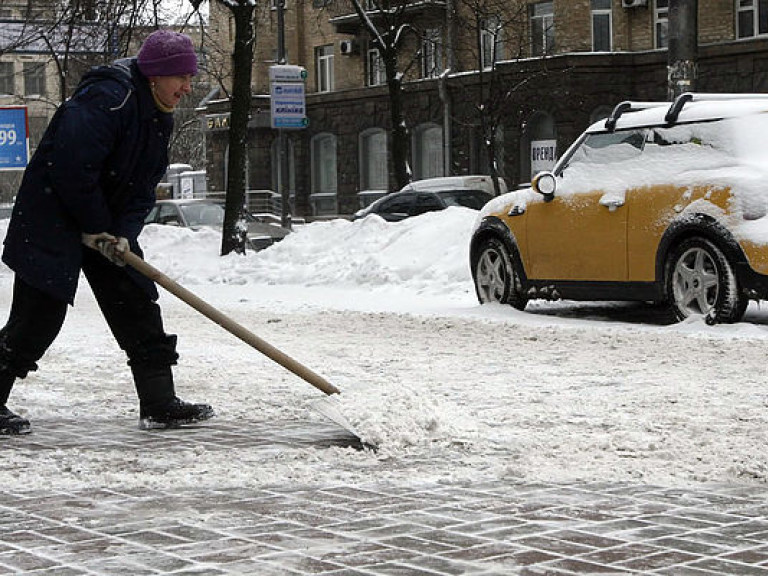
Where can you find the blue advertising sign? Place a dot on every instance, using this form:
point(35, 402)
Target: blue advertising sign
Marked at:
point(14, 138)
point(288, 107)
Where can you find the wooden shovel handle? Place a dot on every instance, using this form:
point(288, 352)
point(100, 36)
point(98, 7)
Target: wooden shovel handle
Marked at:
point(229, 325)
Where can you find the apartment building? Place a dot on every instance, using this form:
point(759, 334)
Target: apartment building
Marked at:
point(548, 68)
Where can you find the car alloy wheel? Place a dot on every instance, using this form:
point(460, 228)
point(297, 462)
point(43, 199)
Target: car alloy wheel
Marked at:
point(496, 276)
point(701, 282)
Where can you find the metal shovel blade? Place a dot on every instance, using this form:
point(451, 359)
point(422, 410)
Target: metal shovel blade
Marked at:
point(329, 407)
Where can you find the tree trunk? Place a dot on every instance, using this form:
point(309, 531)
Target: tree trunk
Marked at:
point(399, 130)
point(235, 232)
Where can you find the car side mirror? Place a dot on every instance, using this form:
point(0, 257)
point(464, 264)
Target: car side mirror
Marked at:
point(545, 184)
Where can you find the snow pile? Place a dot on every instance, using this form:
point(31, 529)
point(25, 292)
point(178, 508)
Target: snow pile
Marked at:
point(402, 416)
point(425, 254)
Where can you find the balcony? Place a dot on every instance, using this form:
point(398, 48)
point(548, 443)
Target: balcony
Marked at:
point(404, 10)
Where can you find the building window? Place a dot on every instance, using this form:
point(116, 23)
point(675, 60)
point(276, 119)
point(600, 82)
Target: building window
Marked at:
point(601, 26)
point(324, 182)
point(428, 151)
point(542, 28)
point(431, 54)
point(373, 160)
point(324, 67)
point(276, 166)
point(752, 18)
point(661, 23)
point(6, 78)
point(34, 79)
point(491, 42)
point(376, 74)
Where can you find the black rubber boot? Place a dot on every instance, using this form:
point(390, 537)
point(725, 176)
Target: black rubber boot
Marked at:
point(174, 414)
point(6, 385)
point(158, 405)
point(12, 424)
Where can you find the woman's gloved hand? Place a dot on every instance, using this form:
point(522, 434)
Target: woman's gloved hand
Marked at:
point(113, 248)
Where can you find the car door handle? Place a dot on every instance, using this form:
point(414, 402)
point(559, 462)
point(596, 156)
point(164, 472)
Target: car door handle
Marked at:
point(611, 201)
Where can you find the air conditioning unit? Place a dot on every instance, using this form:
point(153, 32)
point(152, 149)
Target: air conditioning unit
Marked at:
point(633, 3)
point(347, 47)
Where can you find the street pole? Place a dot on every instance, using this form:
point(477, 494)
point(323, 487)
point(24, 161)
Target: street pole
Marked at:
point(283, 175)
point(682, 67)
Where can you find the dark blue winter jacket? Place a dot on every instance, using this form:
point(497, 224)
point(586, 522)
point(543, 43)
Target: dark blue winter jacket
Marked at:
point(95, 170)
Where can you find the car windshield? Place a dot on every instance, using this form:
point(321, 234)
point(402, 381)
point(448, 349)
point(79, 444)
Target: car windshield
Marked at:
point(609, 148)
point(474, 199)
point(203, 214)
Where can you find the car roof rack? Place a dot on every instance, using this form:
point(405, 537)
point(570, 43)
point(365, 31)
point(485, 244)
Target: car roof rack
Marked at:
point(685, 97)
point(629, 106)
point(676, 106)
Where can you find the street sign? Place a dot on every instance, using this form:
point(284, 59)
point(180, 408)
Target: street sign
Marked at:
point(287, 73)
point(14, 138)
point(289, 108)
point(287, 97)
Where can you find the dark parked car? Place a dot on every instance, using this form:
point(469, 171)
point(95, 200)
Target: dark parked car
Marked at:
point(196, 213)
point(431, 195)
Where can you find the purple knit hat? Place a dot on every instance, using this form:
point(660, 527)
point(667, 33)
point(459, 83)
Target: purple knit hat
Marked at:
point(167, 53)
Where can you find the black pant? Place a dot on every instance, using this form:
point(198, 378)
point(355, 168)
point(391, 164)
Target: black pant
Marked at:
point(36, 318)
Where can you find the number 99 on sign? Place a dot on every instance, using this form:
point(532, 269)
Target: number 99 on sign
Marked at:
point(7, 137)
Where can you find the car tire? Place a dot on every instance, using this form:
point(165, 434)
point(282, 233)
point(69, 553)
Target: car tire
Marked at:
point(497, 276)
point(700, 281)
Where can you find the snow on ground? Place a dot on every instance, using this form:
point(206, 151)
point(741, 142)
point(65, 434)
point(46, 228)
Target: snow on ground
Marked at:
point(447, 388)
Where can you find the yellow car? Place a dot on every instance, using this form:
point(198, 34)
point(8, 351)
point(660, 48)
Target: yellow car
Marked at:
point(661, 202)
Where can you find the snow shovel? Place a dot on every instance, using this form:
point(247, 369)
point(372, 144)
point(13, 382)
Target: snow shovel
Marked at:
point(326, 407)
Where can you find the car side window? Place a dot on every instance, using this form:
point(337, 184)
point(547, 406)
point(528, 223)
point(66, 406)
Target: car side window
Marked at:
point(152, 216)
point(168, 215)
point(426, 203)
point(400, 204)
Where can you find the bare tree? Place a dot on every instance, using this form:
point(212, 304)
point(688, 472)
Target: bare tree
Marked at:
point(77, 34)
point(494, 31)
point(390, 27)
point(67, 36)
point(234, 236)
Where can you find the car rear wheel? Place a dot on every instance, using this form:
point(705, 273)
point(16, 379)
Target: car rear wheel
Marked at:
point(701, 282)
point(496, 275)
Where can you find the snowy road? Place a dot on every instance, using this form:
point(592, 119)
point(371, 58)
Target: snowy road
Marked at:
point(448, 389)
point(476, 394)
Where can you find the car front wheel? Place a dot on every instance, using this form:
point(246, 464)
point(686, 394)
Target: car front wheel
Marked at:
point(701, 282)
point(496, 276)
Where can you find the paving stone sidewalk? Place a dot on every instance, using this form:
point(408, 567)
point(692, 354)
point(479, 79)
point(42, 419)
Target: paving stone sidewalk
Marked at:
point(493, 528)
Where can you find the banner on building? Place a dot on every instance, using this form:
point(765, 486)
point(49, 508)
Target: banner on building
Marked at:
point(14, 138)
